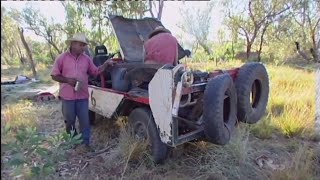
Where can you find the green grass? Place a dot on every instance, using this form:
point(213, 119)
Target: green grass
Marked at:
point(263, 129)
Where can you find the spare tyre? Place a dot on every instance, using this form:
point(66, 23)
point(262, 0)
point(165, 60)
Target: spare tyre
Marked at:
point(220, 109)
point(252, 84)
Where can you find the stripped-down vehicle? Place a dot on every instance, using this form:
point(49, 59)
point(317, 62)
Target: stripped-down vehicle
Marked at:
point(170, 105)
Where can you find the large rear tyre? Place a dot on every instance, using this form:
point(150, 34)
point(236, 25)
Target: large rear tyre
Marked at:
point(143, 126)
point(252, 84)
point(220, 109)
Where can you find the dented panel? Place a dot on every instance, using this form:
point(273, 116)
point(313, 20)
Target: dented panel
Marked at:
point(103, 102)
point(160, 99)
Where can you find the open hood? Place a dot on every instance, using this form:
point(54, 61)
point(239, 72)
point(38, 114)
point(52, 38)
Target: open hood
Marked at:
point(131, 34)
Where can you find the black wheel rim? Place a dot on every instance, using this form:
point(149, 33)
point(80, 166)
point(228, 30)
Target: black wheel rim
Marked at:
point(140, 131)
point(226, 107)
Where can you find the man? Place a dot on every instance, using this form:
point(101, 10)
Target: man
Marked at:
point(71, 70)
point(161, 47)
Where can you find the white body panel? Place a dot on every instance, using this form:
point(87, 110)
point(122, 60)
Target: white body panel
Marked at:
point(103, 102)
point(162, 94)
point(160, 99)
point(164, 101)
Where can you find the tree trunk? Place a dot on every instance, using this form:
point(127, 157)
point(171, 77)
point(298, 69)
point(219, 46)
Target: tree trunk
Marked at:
point(261, 41)
point(25, 44)
point(315, 48)
point(150, 8)
point(301, 53)
point(249, 45)
point(205, 47)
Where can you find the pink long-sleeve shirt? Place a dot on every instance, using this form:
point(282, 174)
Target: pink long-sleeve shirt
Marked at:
point(80, 68)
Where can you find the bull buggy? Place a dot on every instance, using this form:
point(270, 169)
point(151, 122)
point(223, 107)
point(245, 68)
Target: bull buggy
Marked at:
point(171, 105)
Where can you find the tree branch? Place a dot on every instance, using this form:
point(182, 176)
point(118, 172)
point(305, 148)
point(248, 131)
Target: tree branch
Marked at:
point(150, 8)
point(251, 14)
point(316, 25)
point(160, 9)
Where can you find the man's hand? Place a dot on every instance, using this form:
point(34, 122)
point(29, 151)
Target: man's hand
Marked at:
point(106, 64)
point(109, 63)
point(59, 78)
point(71, 81)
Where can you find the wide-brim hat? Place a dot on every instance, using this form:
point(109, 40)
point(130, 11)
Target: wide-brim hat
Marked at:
point(157, 30)
point(79, 37)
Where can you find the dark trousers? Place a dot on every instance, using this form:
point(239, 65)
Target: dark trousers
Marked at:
point(77, 108)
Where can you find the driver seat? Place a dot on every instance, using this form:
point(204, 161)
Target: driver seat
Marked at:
point(101, 56)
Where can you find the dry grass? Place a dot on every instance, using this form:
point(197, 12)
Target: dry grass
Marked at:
point(290, 116)
point(303, 164)
point(292, 101)
point(43, 71)
point(20, 115)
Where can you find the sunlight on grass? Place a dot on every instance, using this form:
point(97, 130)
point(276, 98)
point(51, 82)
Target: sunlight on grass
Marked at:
point(20, 115)
point(292, 100)
point(43, 72)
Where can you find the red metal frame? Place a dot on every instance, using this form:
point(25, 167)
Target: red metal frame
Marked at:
point(232, 72)
point(145, 100)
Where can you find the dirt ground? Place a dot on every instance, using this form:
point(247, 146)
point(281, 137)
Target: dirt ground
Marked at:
point(196, 160)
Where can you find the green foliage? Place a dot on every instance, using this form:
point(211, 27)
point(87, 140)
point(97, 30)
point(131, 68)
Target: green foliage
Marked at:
point(11, 48)
point(35, 155)
point(275, 24)
point(197, 25)
point(42, 52)
point(134, 9)
point(42, 27)
point(74, 18)
point(226, 51)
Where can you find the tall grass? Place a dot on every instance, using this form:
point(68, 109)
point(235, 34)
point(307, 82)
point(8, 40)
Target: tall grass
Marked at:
point(292, 101)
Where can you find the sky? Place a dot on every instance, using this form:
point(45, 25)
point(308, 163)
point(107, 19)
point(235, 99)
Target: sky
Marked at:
point(171, 15)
